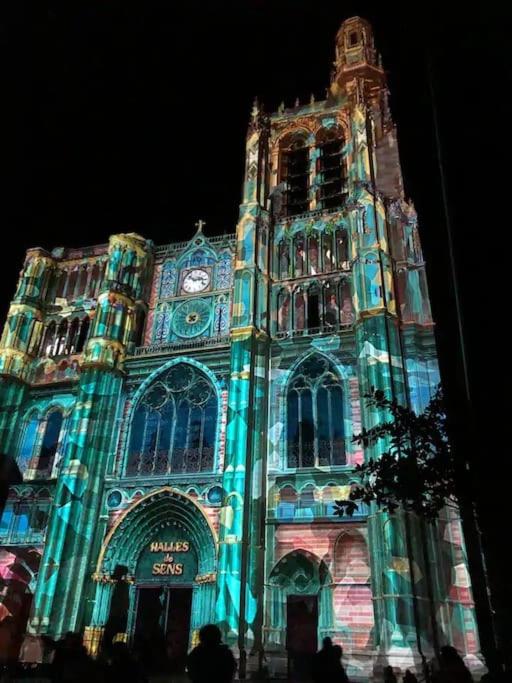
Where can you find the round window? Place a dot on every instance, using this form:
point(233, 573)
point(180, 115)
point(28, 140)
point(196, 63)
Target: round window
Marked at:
point(215, 495)
point(114, 499)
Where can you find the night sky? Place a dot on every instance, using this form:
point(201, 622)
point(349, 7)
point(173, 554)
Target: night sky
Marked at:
point(132, 117)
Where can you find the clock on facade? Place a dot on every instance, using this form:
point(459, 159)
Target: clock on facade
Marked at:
point(196, 280)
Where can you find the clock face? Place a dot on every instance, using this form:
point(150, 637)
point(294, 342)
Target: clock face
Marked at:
point(196, 280)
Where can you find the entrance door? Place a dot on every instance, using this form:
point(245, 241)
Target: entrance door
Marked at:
point(162, 626)
point(178, 626)
point(150, 618)
point(301, 633)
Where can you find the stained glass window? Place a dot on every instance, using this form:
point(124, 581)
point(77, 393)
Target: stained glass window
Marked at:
point(50, 443)
point(315, 420)
point(173, 429)
point(41, 458)
point(28, 443)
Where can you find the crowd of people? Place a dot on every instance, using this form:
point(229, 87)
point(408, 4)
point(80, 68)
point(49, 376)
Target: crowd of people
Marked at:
point(211, 661)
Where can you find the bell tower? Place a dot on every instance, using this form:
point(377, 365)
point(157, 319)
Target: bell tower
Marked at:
point(357, 61)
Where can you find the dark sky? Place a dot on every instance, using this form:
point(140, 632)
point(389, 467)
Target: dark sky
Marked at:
point(132, 116)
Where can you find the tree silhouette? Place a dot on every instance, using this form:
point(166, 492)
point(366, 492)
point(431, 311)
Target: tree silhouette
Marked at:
point(416, 472)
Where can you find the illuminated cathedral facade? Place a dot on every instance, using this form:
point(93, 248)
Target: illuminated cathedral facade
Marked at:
point(182, 416)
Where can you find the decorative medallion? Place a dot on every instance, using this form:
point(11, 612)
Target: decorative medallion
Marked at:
point(191, 318)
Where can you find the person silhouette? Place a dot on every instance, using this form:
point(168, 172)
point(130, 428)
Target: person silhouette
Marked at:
point(339, 669)
point(211, 661)
point(327, 664)
point(451, 667)
point(389, 675)
point(409, 677)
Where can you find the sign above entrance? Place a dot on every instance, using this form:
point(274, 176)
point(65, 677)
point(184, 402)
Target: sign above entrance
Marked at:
point(170, 556)
point(169, 565)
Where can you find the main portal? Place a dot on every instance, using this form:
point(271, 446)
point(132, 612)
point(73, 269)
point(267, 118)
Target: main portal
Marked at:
point(165, 574)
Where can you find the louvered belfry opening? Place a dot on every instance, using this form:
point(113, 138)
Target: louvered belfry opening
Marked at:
point(330, 171)
point(295, 173)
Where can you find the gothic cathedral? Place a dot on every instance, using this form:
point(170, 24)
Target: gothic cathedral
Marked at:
point(182, 415)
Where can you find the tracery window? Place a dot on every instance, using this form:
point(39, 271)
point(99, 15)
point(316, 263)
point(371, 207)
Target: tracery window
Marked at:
point(315, 419)
point(37, 455)
point(25, 520)
point(174, 425)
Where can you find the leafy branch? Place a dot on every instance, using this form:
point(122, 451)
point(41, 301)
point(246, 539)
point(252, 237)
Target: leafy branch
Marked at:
point(416, 472)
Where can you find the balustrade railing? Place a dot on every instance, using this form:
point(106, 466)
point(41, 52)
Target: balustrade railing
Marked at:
point(154, 349)
point(313, 331)
point(161, 463)
point(297, 511)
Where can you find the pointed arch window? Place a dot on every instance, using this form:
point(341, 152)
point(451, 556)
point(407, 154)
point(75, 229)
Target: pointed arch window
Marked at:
point(50, 443)
point(28, 442)
point(331, 177)
point(342, 249)
point(299, 310)
point(329, 261)
point(345, 299)
point(174, 426)
point(283, 257)
point(315, 416)
point(294, 171)
point(313, 308)
point(283, 311)
point(313, 255)
point(331, 315)
point(39, 444)
point(299, 255)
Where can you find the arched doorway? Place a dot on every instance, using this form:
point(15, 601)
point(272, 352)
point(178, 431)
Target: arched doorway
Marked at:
point(156, 577)
point(301, 610)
